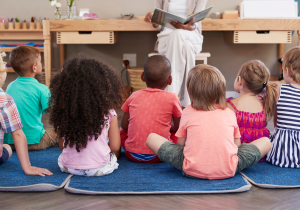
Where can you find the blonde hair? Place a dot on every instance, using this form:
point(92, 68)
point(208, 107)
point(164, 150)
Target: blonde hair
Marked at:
point(206, 87)
point(256, 76)
point(291, 61)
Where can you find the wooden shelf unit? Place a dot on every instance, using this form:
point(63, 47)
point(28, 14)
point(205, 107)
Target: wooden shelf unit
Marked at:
point(9, 49)
point(20, 34)
point(10, 70)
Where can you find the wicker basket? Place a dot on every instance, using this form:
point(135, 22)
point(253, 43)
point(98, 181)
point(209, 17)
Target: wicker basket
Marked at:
point(135, 79)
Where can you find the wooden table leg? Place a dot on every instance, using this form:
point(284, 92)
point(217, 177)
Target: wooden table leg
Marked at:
point(61, 54)
point(280, 55)
point(47, 52)
point(298, 38)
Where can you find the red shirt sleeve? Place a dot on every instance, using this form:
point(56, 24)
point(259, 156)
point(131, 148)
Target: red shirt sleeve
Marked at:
point(177, 111)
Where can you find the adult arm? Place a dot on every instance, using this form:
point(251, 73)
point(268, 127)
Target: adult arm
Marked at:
point(22, 152)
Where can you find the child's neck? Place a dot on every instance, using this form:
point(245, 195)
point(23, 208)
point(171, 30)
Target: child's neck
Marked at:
point(163, 88)
point(246, 92)
point(31, 75)
point(295, 84)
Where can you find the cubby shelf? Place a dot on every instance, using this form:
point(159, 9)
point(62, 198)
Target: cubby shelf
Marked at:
point(9, 49)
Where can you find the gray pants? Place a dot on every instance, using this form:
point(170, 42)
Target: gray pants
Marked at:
point(171, 153)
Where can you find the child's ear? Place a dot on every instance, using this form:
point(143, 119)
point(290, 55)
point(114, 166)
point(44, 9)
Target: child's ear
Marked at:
point(142, 77)
point(287, 71)
point(170, 79)
point(240, 81)
point(33, 68)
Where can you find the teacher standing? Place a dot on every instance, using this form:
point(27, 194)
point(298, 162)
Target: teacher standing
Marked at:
point(181, 43)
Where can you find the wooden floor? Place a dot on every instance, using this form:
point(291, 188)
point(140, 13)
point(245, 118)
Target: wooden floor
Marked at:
point(256, 198)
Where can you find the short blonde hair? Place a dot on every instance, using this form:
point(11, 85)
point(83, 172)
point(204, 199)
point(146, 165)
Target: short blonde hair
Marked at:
point(291, 61)
point(206, 87)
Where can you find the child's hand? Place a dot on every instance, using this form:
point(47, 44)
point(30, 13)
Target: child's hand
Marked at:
point(37, 171)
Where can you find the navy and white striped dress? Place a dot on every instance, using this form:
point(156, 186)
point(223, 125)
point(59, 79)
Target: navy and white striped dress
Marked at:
point(285, 150)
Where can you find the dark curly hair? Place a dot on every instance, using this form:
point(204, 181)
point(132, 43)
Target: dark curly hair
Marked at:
point(81, 95)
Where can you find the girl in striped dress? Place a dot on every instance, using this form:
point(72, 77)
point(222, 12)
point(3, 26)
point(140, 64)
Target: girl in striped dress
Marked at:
point(285, 150)
point(253, 109)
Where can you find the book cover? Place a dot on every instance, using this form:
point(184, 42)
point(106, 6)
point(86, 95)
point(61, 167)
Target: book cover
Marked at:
point(162, 17)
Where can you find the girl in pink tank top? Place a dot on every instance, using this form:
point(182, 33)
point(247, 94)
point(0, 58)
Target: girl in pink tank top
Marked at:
point(255, 104)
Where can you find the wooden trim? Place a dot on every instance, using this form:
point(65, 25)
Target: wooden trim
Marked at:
point(9, 49)
point(47, 52)
point(21, 35)
point(207, 25)
point(61, 48)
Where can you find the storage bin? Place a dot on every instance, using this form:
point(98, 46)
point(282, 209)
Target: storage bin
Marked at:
point(135, 79)
point(258, 37)
point(86, 37)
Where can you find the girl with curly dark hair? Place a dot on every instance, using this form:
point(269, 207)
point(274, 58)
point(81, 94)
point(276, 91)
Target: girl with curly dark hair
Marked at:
point(83, 98)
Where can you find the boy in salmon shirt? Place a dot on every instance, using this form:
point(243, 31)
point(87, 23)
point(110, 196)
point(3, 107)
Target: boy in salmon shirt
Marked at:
point(150, 110)
point(209, 145)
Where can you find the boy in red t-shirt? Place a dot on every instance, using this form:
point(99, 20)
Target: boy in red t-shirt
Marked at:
point(150, 111)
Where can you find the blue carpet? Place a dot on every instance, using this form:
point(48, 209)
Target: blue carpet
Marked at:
point(155, 178)
point(12, 175)
point(265, 175)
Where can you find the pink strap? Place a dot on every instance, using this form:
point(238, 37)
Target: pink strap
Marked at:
point(229, 101)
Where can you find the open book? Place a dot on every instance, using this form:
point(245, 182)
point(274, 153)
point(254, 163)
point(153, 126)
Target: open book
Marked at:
point(162, 17)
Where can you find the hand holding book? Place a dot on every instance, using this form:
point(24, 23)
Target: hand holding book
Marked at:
point(190, 26)
point(148, 18)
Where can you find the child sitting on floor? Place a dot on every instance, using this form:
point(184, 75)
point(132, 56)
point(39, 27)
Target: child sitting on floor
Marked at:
point(150, 110)
point(10, 122)
point(84, 96)
point(31, 98)
point(208, 145)
point(285, 140)
point(251, 109)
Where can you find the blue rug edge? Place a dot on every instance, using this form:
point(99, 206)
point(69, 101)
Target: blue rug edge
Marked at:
point(244, 188)
point(41, 187)
point(268, 186)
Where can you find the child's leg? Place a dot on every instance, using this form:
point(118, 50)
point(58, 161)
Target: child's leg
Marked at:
point(49, 139)
point(250, 154)
point(6, 153)
point(167, 151)
point(263, 144)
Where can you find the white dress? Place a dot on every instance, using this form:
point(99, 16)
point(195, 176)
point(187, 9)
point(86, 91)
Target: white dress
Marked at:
point(180, 47)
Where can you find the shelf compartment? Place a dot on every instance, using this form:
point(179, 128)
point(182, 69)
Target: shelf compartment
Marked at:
point(258, 37)
point(9, 49)
point(86, 37)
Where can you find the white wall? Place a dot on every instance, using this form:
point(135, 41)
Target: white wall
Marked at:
point(227, 57)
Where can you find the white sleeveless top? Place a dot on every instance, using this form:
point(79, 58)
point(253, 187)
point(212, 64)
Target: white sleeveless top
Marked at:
point(176, 7)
